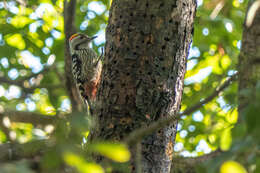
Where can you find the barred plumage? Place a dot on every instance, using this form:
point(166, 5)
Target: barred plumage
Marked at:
point(86, 66)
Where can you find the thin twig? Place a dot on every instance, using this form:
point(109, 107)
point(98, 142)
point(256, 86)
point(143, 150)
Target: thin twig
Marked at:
point(211, 97)
point(138, 157)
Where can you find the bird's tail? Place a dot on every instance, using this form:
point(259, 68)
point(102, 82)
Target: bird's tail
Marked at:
point(85, 99)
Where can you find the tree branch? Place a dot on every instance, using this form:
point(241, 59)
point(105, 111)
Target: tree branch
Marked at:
point(11, 82)
point(69, 29)
point(196, 160)
point(138, 134)
point(188, 164)
point(28, 117)
point(138, 157)
point(45, 70)
point(20, 82)
point(14, 151)
point(17, 83)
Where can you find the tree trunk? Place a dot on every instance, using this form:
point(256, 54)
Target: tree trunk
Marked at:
point(142, 79)
point(249, 59)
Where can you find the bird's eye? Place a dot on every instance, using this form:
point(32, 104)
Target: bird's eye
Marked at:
point(81, 37)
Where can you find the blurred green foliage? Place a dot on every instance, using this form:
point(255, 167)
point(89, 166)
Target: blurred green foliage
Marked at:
point(214, 56)
point(32, 60)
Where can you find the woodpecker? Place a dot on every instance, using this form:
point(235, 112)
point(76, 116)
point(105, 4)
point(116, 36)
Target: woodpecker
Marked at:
point(86, 67)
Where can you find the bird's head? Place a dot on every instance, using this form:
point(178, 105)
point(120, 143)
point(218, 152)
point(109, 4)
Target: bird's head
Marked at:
point(79, 41)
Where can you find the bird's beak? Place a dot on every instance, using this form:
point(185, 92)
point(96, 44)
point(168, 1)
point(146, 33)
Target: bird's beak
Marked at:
point(92, 38)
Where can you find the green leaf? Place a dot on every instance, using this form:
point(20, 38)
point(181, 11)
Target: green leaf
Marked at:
point(16, 40)
point(83, 166)
point(115, 151)
point(226, 139)
point(2, 137)
point(257, 166)
point(232, 166)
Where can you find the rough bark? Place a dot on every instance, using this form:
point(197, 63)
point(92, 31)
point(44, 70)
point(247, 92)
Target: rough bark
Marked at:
point(142, 79)
point(249, 59)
